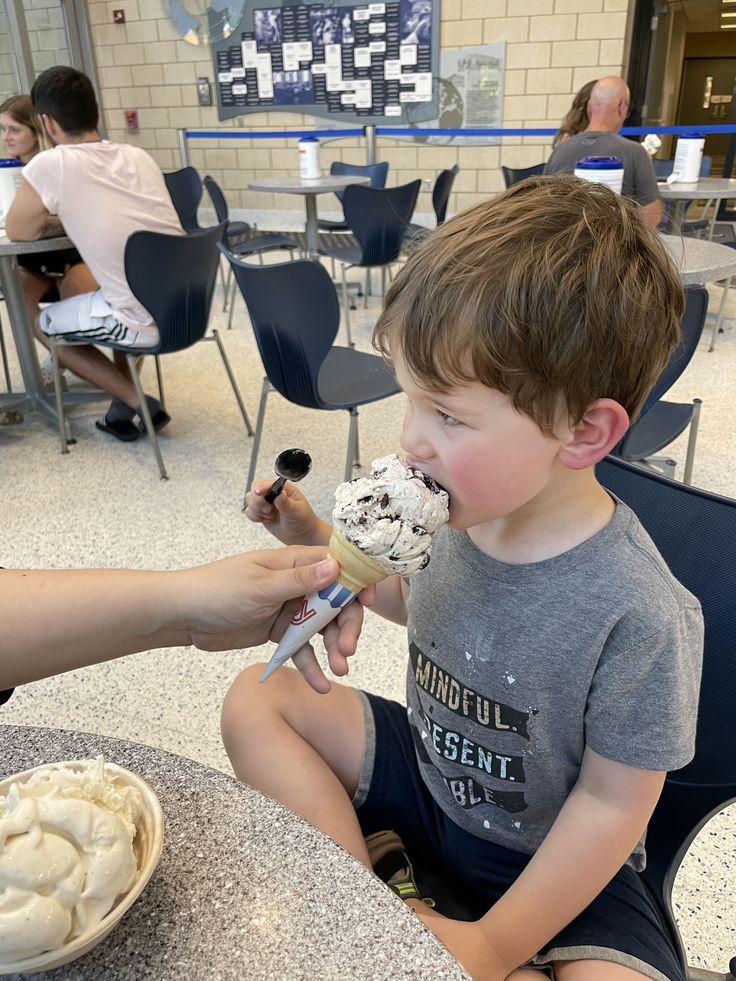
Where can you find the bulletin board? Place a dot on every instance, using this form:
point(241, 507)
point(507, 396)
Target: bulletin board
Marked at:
point(363, 63)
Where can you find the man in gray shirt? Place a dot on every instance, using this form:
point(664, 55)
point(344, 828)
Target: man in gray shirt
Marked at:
point(607, 109)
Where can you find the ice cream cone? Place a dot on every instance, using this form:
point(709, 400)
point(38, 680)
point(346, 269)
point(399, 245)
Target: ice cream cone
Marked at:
point(357, 571)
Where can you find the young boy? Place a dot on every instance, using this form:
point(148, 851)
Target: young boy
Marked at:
point(554, 660)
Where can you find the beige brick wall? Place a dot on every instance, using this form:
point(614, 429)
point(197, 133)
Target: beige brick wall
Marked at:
point(553, 47)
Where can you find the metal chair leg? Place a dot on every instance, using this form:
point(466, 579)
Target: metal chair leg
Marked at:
point(146, 413)
point(236, 391)
point(265, 389)
point(54, 351)
point(232, 305)
point(368, 287)
point(6, 365)
point(160, 382)
point(223, 277)
point(226, 286)
point(690, 455)
point(346, 304)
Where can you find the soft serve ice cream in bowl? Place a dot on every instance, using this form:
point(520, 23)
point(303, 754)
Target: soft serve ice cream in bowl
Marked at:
point(382, 525)
point(78, 843)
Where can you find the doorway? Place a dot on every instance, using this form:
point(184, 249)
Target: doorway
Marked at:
point(706, 98)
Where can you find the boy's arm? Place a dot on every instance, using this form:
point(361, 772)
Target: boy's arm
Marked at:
point(594, 834)
point(290, 518)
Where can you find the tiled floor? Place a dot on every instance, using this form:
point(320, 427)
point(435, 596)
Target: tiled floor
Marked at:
point(104, 505)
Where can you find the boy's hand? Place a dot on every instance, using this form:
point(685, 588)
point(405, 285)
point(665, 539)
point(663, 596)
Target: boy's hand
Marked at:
point(465, 941)
point(290, 518)
point(340, 638)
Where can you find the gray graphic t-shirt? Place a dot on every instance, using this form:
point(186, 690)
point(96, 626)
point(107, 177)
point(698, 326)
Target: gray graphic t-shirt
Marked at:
point(514, 669)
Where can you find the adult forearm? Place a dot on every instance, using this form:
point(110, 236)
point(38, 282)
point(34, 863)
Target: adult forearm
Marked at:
point(54, 621)
point(653, 213)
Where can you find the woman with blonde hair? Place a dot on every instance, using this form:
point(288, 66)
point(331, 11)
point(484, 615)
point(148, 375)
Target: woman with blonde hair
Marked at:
point(576, 119)
point(47, 276)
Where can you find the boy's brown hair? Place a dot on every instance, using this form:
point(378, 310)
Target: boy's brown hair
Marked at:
point(556, 293)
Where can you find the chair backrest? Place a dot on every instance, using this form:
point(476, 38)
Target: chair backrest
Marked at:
point(217, 198)
point(442, 190)
point(185, 189)
point(379, 218)
point(295, 316)
point(512, 175)
point(695, 532)
point(691, 327)
point(377, 172)
point(173, 276)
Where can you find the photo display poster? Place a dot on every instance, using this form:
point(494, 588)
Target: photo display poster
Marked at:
point(365, 63)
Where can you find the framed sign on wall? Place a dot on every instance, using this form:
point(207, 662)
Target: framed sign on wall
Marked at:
point(359, 63)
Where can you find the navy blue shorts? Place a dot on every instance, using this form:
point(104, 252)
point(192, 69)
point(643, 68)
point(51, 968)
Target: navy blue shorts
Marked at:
point(622, 924)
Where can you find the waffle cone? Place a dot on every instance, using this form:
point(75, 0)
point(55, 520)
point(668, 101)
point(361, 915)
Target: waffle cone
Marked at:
point(357, 570)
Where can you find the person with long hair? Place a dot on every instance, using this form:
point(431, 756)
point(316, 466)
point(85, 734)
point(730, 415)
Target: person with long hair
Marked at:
point(575, 119)
point(46, 276)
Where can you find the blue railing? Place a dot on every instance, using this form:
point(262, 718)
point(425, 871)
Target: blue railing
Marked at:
point(229, 134)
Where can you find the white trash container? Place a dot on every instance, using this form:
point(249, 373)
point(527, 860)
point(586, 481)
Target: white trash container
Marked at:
point(688, 159)
point(602, 170)
point(10, 178)
point(309, 158)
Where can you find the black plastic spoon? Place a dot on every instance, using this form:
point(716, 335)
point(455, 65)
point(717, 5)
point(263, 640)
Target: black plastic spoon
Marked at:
point(292, 464)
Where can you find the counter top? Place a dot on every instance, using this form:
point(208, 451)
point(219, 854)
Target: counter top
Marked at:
point(244, 888)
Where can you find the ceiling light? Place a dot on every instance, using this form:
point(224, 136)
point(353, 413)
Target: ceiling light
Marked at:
point(728, 27)
point(728, 15)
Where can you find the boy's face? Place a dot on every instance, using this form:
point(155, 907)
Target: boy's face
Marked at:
point(491, 459)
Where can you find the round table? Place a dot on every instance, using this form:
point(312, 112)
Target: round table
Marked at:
point(309, 189)
point(706, 189)
point(244, 888)
point(34, 396)
point(704, 262)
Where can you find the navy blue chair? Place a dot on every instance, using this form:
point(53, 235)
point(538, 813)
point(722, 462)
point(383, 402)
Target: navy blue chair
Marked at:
point(377, 173)
point(173, 277)
point(236, 232)
point(512, 175)
point(379, 219)
point(661, 422)
point(440, 199)
point(695, 531)
point(185, 190)
point(295, 317)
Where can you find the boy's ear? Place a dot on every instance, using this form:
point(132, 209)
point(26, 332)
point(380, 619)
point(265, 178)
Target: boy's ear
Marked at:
point(603, 425)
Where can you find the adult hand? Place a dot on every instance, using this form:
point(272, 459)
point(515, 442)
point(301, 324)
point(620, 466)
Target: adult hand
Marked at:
point(247, 599)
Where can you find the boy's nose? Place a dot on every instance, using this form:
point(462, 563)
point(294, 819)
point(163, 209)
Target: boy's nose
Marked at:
point(413, 442)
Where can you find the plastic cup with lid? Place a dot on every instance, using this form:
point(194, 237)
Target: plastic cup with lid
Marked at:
point(602, 170)
point(10, 178)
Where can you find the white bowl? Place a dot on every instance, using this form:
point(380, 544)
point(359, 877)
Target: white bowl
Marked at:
point(147, 846)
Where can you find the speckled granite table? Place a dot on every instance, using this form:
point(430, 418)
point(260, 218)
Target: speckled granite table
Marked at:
point(700, 261)
point(244, 888)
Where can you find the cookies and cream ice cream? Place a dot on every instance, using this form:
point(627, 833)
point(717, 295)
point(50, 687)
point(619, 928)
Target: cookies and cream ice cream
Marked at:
point(391, 515)
point(382, 525)
point(66, 855)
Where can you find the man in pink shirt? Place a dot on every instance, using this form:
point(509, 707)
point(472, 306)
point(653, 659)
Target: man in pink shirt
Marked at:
point(98, 193)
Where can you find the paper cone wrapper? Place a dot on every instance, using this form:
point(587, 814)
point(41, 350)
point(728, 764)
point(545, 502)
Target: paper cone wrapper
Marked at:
point(357, 571)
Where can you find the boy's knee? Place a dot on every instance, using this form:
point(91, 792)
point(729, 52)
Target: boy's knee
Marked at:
point(249, 704)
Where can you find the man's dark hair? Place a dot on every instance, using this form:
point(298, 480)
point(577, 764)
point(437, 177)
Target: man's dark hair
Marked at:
point(67, 96)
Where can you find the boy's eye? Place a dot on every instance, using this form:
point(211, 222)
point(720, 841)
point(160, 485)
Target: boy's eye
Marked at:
point(447, 420)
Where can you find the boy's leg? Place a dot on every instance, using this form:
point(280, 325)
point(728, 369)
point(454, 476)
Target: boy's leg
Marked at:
point(305, 750)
